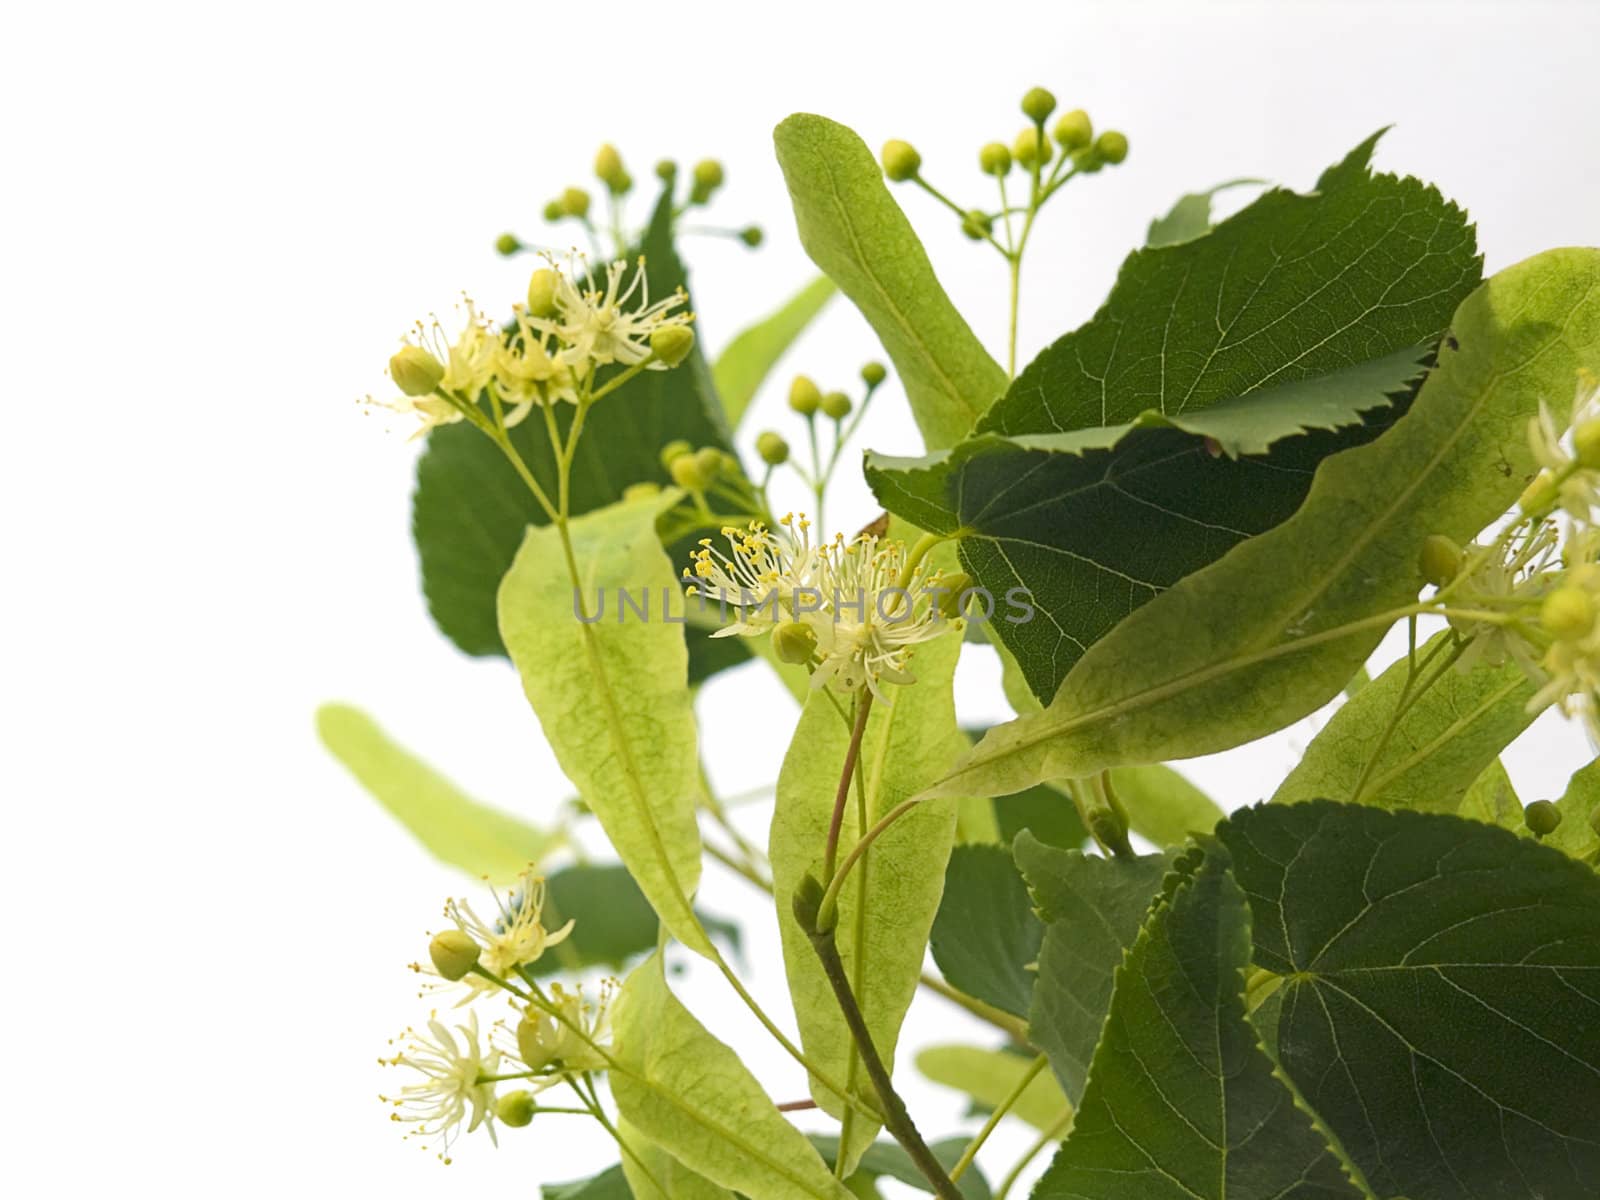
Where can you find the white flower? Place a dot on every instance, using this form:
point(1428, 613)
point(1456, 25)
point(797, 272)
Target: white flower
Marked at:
point(527, 374)
point(597, 326)
point(516, 938)
point(449, 1092)
point(1553, 450)
point(1508, 579)
point(872, 620)
point(568, 1043)
point(765, 577)
point(468, 360)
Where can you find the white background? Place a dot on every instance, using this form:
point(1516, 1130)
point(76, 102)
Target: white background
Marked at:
point(217, 221)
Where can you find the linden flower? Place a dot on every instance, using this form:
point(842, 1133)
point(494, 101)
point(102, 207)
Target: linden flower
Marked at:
point(516, 938)
point(450, 1091)
point(567, 1044)
point(1510, 582)
point(596, 326)
point(1553, 449)
point(768, 574)
point(872, 621)
point(527, 374)
point(465, 365)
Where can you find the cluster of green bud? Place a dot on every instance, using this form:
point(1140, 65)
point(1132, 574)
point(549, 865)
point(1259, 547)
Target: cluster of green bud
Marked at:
point(573, 202)
point(696, 470)
point(774, 451)
point(608, 169)
point(708, 177)
point(1439, 560)
point(1032, 148)
point(415, 371)
point(1541, 817)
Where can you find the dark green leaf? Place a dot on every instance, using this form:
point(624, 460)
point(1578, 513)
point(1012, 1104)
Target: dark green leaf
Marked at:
point(1182, 1103)
point(1441, 1002)
point(1192, 411)
point(1092, 909)
point(1044, 812)
point(1190, 217)
point(985, 937)
point(608, 1185)
point(470, 509)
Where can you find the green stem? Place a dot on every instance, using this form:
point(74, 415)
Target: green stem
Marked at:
point(852, 755)
point(1032, 1152)
point(592, 1104)
point(1005, 1106)
point(858, 972)
point(830, 897)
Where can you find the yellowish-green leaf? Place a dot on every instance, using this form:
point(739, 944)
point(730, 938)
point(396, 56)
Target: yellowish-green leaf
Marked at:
point(852, 228)
point(653, 1174)
point(613, 696)
point(1275, 628)
point(452, 826)
point(747, 360)
point(1579, 804)
point(989, 1076)
point(882, 938)
point(1492, 799)
point(695, 1098)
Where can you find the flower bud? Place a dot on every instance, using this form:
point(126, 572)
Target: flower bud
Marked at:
point(575, 202)
point(671, 343)
point(674, 450)
point(804, 396)
point(542, 292)
point(900, 160)
point(711, 462)
point(1074, 130)
point(608, 169)
point(874, 373)
point(688, 472)
point(516, 1108)
point(641, 490)
point(807, 905)
point(666, 170)
point(1031, 148)
point(532, 1047)
point(1112, 146)
point(708, 174)
point(752, 236)
point(836, 405)
point(1539, 495)
point(950, 599)
point(1087, 161)
point(794, 642)
point(774, 451)
point(1567, 614)
point(1586, 444)
point(554, 211)
point(994, 159)
point(1037, 105)
point(507, 244)
point(976, 225)
point(415, 371)
point(1439, 560)
point(454, 953)
point(1541, 817)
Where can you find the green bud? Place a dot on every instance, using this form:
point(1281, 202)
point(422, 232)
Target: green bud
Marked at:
point(507, 244)
point(688, 473)
point(454, 953)
point(976, 225)
point(731, 466)
point(554, 211)
point(836, 405)
point(794, 642)
point(531, 1048)
point(950, 601)
point(1088, 160)
point(608, 168)
point(575, 202)
point(774, 451)
point(1586, 442)
point(1037, 105)
point(1074, 130)
point(672, 343)
point(708, 174)
point(804, 396)
point(542, 292)
point(752, 236)
point(1541, 817)
point(710, 462)
point(1031, 148)
point(666, 170)
point(673, 451)
point(1567, 614)
point(516, 1108)
point(900, 160)
point(807, 904)
point(994, 159)
point(1539, 496)
point(874, 373)
point(1439, 560)
point(415, 371)
point(641, 490)
point(1112, 146)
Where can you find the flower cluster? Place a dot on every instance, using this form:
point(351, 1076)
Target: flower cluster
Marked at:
point(553, 1034)
point(852, 612)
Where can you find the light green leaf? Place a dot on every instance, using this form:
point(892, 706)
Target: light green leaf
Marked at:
point(1274, 629)
point(883, 930)
point(694, 1097)
point(1182, 1103)
point(610, 1184)
point(1447, 738)
point(1190, 217)
point(452, 826)
point(1092, 909)
point(1492, 799)
point(653, 1174)
point(1577, 834)
point(989, 1076)
point(613, 696)
point(986, 938)
point(852, 228)
point(747, 360)
point(1441, 995)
